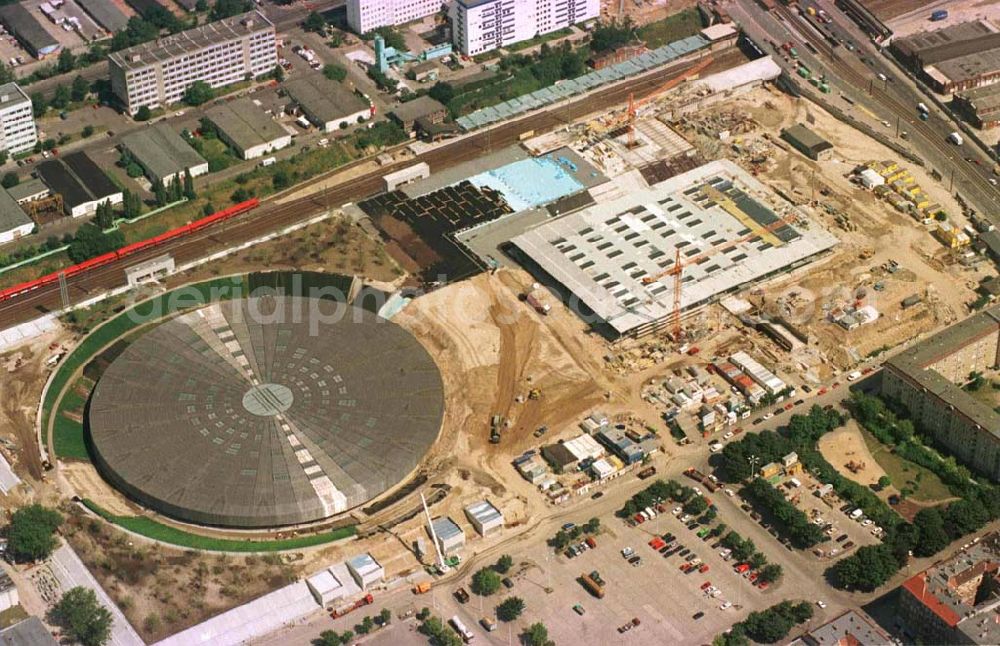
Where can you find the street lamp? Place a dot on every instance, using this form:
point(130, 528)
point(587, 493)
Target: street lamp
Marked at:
point(753, 460)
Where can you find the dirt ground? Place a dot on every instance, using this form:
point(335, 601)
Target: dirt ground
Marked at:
point(642, 12)
point(846, 445)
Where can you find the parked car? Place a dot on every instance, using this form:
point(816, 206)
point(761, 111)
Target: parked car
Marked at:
point(462, 595)
point(698, 615)
point(507, 582)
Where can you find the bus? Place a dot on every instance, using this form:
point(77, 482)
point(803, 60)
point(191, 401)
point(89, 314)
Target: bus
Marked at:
point(461, 629)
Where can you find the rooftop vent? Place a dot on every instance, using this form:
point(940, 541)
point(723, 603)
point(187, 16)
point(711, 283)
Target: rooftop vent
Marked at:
point(136, 57)
point(4, 98)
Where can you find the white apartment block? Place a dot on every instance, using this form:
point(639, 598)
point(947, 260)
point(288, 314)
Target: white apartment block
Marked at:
point(482, 25)
point(365, 15)
point(220, 53)
point(16, 120)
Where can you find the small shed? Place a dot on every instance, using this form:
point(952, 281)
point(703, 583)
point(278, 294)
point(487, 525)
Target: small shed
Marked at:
point(485, 518)
point(450, 537)
point(365, 570)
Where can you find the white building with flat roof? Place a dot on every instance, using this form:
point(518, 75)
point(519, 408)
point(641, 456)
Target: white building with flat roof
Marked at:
point(219, 53)
point(485, 518)
point(450, 537)
point(479, 26)
point(17, 120)
point(325, 587)
point(365, 570)
point(366, 15)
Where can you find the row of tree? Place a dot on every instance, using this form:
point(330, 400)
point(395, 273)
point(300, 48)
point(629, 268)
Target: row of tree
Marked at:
point(767, 626)
point(793, 520)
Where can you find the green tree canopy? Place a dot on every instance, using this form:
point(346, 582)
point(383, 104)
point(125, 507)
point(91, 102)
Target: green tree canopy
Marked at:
point(143, 113)
point(334, 72)
point(314, 22)
point(198, 93)
point(485, 582)
point(537, 635)
point(503, 564)
point(10, 179)
point(31, 533)
point(83, 617)
point(510, 609)
point(227, 8)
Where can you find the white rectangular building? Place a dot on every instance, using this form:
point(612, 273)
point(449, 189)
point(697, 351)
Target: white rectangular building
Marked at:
point(325, 587)
point(366, 15)
point(584, 447)
point(247, 128)
point(16, 119)
point(450, 537)
point(486, 518)
point(767, 379)
point(482, 25)
point(220, 53)
point(14, 223)
point(8, 592)
point(365, 570)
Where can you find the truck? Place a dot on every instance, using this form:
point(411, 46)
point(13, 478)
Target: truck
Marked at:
point(340, 611)
point(592, 586)
point(940, 14)
point(956, 139)
point(461, 629)
point(922, 108)
point(422, 588)
point(648, 472)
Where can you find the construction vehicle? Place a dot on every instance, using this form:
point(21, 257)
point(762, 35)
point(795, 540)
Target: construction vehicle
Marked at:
point(592, 586)
point(496, 422)
point(534, 393)
point(422, 588)
point(677, 269)
point(340, 611)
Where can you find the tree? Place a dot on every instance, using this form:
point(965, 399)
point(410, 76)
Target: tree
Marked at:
point(83, 617)
point(10, 179)
point(327, 638)
point(208, 209)
point(314, 23)
point(537, 635)
point(485, 582)
point(280, 180)
point(884, 482)
point(198, 93)
point(592, 526)
point(770, 573)
point(79, 89)
point(866, 569)
point(334, 72)
point(240, 195)
point(66, 61)
point(278, 73)
point(189, 185)
point(365, 626)
point(612, 34)
point(31, 533)
point(385, 616)
point(61, 98)
point(38, 104)
point(160, 192)
point(105, 215)
point(228, 8)
point(503, 564)
point(442, 92)
point(695, 506)
point(90, 241)
point(143, 113)
point(87, 131)
point(757, 560)
point(510, 609)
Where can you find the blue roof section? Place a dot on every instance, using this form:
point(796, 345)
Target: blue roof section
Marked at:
point(570, 87)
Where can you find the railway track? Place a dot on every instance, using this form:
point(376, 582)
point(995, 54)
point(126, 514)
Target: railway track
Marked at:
point(846, 72)
point(271, 216)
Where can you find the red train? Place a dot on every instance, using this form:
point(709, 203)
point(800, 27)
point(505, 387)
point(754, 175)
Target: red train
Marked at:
point(128, 250)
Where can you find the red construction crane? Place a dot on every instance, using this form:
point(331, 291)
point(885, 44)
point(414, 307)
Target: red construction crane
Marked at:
point(677, 269)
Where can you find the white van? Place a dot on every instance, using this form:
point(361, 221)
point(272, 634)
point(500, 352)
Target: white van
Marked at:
point(268, 161)
point(856, 514)
point(854, 375)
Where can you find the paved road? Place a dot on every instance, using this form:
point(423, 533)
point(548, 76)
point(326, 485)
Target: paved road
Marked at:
point(270, 216)
point(850, 75)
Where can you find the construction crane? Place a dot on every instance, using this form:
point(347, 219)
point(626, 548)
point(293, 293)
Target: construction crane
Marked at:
point(633, 105)
point(677, 269)
point(629, 116)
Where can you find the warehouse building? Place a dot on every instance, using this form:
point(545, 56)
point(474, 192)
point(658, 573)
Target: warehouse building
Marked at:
point(327, 104)
point(104, 13)
point(927, 379)
point(81, 183)
point(28, 632)
point(163, 154)
point(617, 257)
point(485, 518)
point(29, 190)
point(326, 587)
point(980, 106)
point(764, 377)
point(964, 72)
point(14, 223)
point(807, 142)
point(560, 458)
point(450, 537)
point(220, 53)
point(23, 25)
point(365, 570)
point(17, 121)
point(407, 114)
point(958, 57)
point(245, 127)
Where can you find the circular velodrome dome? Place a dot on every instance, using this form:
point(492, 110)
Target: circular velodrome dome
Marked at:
point(245, 414)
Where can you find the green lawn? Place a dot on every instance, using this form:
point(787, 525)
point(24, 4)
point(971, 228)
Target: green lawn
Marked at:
point(925, 486)
point(538, 40)
point(680, 25)
point(158, 531)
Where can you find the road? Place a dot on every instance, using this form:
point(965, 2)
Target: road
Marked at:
point(270, 217)
point(855, 74)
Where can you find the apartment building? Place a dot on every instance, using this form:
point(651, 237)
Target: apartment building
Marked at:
point(482, 25)
point(17, 121)
point(220, 53)
point(365, 15)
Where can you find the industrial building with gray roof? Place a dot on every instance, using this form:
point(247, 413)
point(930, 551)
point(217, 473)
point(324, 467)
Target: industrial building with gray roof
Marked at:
point(616, 257)
point(163, 153)
point(981, 106)
point(265, 411)
point(105, 13)
point(326, 103)
point(247, 128)
point(23, 25)
point(14, 223)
